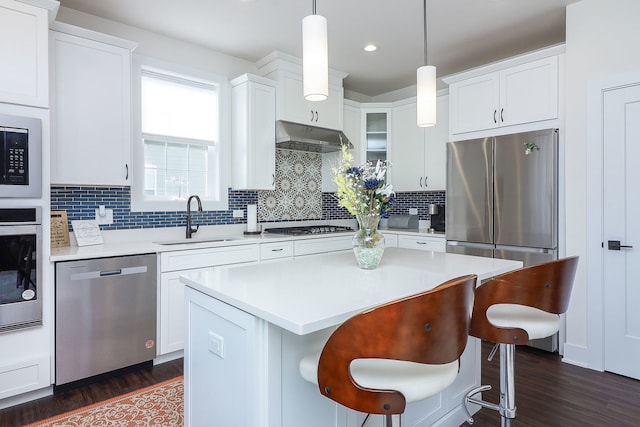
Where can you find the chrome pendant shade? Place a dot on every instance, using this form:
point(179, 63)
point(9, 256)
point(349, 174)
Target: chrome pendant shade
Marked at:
point(426, 86)
point(315, 61)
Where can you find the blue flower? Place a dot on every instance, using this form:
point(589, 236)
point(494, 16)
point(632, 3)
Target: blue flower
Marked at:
point(371, 184)
point(354, 170)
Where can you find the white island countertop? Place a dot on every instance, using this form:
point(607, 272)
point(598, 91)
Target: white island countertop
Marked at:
point(308, 294)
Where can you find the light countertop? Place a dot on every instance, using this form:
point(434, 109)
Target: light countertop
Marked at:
point(146, 242)
point(308, 294)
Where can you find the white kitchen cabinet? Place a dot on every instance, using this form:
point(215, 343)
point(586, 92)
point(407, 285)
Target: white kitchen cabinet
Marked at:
point(171, 312)
point(352, 130)
point(419, 154)
point(390, 240)
point(173, 264)
point(376, 127)
point(523, 93)
point(291, 106)
point(276, 251)
point(91, 107)
point(24, 29)
point(294, 108)
point(253, 105)
point(322, 245)
point(424, 243)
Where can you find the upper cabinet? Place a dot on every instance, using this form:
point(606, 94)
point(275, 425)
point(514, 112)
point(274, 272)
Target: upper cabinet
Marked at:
point(352, 130)
point(24, 29)
point(376, 126)
point(91, 107)
point(286, 71)
point(419, 154)
point(253, 105)
point(511, 93)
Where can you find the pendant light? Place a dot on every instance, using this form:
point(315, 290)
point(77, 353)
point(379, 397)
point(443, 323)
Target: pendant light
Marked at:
point(426, 86)
point(315, 62)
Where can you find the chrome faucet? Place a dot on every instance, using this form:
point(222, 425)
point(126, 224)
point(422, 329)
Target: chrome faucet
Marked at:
point(191, 230)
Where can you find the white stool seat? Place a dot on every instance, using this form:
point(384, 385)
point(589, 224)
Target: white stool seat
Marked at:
point(537, 323)
point(416, 381)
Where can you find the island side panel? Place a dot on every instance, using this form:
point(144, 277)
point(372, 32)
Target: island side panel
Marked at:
point(231, 374)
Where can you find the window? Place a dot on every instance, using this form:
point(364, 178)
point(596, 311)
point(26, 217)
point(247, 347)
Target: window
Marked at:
point(179, 150)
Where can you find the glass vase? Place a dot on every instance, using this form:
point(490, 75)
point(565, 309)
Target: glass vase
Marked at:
point(368, 242)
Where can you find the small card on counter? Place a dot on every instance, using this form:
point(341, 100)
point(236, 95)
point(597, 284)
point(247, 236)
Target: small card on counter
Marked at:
point(87, 232)
point(59, 229)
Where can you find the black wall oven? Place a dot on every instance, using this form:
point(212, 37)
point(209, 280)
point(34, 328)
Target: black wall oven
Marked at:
point(20, 268)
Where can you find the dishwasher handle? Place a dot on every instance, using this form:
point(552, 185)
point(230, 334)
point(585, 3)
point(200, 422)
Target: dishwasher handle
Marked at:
point(111, 273)
point(98, 274)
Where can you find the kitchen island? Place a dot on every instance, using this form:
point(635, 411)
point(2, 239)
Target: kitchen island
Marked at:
point(248, 327)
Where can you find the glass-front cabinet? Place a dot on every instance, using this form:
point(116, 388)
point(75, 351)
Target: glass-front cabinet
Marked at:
point(376, 126)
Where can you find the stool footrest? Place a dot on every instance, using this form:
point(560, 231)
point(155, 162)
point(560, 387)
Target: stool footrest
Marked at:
point(470, 399)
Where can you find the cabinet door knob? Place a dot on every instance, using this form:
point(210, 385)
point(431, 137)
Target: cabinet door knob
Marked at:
point(126, 176)
point(311, 111)
point(420, 182)
point(316, 117)
point(494, 116)
point(425, 181)
point(502, 115)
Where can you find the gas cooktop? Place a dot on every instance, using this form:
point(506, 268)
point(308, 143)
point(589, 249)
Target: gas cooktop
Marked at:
point(309, 229)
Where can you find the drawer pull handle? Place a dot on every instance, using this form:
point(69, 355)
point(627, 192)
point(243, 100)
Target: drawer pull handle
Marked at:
point(277, 250)
point(421, 243)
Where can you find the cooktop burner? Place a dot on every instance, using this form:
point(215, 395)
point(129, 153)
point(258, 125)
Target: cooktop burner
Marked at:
point(310, 229)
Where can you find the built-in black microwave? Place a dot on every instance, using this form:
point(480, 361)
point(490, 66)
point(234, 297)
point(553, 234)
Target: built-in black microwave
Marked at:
point(20, 156)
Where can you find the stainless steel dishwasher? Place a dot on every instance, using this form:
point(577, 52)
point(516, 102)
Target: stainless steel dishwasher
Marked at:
point(105, 315)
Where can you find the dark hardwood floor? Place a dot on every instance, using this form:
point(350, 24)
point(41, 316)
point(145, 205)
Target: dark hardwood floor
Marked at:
point(548, 393)
point(556, 394)
point(82, 393)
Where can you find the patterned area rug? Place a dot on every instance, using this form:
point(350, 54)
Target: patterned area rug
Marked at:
point(159, 405)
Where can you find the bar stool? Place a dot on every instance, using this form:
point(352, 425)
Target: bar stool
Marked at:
point(396, 353)
point(512, 309)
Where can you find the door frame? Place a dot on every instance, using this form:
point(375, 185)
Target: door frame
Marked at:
point(594, 220)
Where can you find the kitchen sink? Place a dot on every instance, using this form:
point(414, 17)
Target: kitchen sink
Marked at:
point(184, 241)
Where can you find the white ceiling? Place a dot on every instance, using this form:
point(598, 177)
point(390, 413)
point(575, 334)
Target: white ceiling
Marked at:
point(462, 34)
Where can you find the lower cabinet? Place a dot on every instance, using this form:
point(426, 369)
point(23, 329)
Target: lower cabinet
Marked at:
point(276, 251)
point(323, 245)
point(172, 310)
point(424, 243)
point(176, 263)
point(390, 240)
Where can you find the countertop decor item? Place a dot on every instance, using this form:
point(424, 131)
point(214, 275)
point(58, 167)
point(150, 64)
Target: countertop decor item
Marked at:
point(364, 192)
point(59, 229)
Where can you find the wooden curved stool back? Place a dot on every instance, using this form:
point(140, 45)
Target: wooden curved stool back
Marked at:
point(546, 287)
point(430, 327)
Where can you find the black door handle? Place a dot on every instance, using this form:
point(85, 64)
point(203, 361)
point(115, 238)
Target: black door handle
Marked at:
point(614, 245)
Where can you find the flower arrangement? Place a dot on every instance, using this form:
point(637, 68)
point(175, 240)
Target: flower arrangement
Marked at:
point(363, 190)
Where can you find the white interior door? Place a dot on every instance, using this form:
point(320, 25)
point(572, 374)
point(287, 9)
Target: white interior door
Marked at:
point(621, 210)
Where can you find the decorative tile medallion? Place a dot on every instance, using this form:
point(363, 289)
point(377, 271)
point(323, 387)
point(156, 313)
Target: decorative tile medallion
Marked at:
point(298, 193)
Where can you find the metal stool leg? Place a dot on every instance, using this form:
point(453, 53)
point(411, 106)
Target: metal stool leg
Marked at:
point(507, 406)
point(507, 381)
point(392, 420)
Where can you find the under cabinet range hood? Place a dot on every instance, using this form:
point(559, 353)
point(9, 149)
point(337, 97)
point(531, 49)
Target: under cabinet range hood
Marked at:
point(296, 136)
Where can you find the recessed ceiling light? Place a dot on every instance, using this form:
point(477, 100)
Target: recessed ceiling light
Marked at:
point(370, 47)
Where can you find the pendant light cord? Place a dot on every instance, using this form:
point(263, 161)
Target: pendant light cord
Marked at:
point(314, 7)
point(424, 26)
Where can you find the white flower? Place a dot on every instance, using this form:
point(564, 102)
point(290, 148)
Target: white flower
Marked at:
point(386, 191)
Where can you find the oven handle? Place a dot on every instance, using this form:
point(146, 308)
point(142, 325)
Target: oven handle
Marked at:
point(15, 230)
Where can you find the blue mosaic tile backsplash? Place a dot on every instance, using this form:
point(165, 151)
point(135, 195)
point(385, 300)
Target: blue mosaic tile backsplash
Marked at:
point(80, 203)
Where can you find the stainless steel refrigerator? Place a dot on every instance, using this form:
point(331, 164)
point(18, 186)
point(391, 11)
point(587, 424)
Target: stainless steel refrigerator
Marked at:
point(502, 199)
